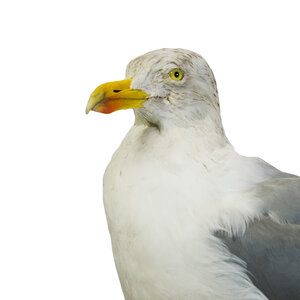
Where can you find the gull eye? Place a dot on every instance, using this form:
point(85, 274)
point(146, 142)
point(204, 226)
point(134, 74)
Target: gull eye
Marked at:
point(176, 74)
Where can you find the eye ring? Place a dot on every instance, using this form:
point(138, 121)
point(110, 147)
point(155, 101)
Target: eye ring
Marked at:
point(176, 74)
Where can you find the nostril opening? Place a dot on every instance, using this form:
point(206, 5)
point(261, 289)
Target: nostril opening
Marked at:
point(117, 91)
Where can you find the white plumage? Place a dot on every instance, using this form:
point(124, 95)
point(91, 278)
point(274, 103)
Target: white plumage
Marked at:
point(178, 198)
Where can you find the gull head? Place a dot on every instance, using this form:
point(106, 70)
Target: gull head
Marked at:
point(164, 87)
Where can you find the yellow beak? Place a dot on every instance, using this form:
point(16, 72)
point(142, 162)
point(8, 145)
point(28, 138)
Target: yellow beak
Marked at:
point(116, 95)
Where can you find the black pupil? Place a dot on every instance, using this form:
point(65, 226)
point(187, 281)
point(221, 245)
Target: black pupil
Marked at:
point(176, 74)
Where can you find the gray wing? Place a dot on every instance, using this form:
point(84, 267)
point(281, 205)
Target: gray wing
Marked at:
point(280, 199)
point(271, 245)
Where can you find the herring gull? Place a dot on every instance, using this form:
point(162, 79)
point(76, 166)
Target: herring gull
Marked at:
point(189, 217)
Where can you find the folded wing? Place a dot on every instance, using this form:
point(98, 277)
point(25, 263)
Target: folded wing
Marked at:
point(271, 244)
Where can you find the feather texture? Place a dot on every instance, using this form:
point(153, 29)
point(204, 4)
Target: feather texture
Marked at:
point(189, 217)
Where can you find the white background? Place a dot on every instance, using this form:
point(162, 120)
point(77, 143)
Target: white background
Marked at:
point(54, 242)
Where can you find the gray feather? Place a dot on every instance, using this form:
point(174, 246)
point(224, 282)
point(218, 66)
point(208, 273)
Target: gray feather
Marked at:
point(271, 252)
point(270, 247)
point(280, 198)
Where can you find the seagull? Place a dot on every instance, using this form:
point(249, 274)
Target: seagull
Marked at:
point(190, 218)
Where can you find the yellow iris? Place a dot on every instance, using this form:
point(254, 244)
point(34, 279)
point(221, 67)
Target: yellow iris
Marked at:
point(176, 74)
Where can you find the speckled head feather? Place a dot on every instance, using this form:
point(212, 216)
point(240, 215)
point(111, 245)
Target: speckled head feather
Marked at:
point(182, 102)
